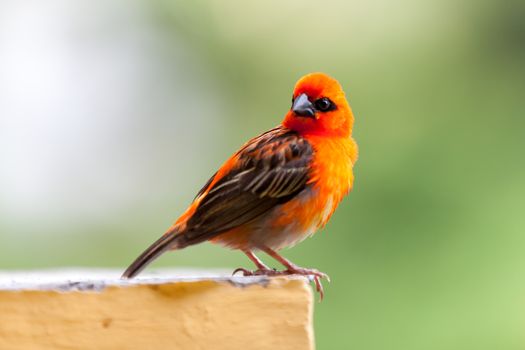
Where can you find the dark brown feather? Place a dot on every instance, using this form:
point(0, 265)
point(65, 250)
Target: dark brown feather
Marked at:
point(271, 170)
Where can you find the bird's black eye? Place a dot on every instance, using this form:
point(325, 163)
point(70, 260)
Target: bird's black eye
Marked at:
point(324, 104)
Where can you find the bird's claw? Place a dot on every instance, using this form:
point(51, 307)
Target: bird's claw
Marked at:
point(259, 272)
point(319, 287)
point(315, 274)
point(307, 272)
point(243, 270)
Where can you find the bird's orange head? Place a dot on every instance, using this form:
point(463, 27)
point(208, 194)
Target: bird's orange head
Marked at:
point(319, 107)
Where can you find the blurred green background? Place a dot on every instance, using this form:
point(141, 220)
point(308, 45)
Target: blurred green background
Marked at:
point(114, 113)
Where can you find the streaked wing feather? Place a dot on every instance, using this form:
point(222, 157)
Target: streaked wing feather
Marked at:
point(271, 170)
point(206, 185)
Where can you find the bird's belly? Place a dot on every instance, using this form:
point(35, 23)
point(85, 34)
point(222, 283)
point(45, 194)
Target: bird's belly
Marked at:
point(285, 225)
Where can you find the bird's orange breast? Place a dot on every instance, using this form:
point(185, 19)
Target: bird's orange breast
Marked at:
point(331, 178)
point(332, 165)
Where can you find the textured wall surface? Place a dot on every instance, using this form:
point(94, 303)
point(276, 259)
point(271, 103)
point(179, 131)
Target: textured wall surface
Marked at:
point(99, 311)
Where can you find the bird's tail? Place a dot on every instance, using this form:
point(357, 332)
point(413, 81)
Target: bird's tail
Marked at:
point(172, 239)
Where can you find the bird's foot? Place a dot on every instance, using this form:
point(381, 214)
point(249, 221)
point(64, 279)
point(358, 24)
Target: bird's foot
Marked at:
point(316, 274)
point(294, 270)
point(258, 272)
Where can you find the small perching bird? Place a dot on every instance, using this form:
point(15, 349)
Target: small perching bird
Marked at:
point(278, 189)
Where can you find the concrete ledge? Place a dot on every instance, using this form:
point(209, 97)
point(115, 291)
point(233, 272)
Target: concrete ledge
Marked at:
point(94, 309)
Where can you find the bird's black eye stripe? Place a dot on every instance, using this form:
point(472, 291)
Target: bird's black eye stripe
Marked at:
point(324, 104)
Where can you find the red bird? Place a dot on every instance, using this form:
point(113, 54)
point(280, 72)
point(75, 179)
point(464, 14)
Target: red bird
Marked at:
point(278, 189)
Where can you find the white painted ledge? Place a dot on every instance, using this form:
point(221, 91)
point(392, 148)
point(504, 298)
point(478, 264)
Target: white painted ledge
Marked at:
point(165, 309)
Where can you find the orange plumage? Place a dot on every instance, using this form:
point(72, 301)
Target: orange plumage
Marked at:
point(279, 188)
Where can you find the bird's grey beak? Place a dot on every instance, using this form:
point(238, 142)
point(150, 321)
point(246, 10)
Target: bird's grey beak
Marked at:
point(303, 107)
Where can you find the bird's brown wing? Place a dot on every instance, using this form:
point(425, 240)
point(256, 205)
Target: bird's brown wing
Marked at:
point(270, 170)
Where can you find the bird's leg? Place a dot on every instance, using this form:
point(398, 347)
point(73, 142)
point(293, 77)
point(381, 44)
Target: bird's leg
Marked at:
point(292, 269)
point(262, 269)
